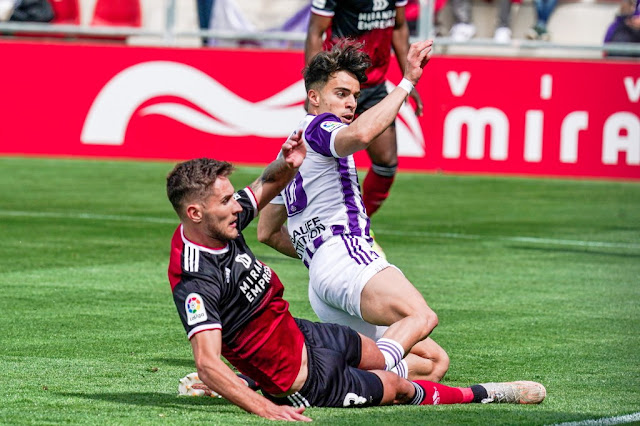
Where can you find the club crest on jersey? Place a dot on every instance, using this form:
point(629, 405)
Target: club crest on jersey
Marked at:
point(330, 126)
point(194, 308)
point(245, 259)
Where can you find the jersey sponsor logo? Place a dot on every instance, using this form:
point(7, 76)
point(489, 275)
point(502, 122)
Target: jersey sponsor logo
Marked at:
point(352, 400)
point(194, 308)
point(254, 283)
point(227, 275)
point(330, 126)
point(380, 5)
point(245, 259)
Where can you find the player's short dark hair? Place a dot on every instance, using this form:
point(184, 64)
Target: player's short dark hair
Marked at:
point(344, 56)
point(192, 179)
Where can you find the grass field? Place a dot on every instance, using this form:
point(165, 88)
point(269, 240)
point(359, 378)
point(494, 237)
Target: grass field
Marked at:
point(532, 279)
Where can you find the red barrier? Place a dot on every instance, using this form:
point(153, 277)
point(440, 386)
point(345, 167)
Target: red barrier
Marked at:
point(507, 116)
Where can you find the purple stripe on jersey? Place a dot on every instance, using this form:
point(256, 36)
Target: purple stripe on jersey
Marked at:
point(317, 242)
point(349, 196)
point(309, 253)
point(337, 229)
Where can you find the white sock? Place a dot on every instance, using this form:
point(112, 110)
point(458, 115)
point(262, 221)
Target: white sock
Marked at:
point(401, 369)
point(393, 352)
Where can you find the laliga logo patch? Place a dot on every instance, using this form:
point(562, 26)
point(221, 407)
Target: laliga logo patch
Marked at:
point(194, 308)
point(330, 126)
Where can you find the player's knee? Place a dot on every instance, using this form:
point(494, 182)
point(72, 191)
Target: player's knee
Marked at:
point(386, 168)
point(440, 365)
point(427, 320)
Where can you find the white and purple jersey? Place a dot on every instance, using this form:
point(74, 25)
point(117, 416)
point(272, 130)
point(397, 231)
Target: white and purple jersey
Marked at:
point(323, 199)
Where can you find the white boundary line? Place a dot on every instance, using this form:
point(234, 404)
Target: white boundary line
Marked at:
point(533, 240)
point(605, 421)
point(520, 239)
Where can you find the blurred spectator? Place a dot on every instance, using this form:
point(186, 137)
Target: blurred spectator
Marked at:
point(32, 11)
point(462, 29)
point(412, 15)
point(626, 27)
point(6, 9)
point(503, 30)
point(205, 7)
point(544, 9)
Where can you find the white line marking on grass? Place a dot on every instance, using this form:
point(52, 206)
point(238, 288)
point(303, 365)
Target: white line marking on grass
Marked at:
point(147, 219)
point(605, 421)
point(533, 240)
point(88, 216)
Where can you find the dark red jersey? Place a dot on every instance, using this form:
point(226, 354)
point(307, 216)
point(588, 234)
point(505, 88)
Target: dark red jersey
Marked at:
point(370, 22)
point(230, 290)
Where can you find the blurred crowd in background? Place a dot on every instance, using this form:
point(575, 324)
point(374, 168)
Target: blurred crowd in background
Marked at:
point(452, 18)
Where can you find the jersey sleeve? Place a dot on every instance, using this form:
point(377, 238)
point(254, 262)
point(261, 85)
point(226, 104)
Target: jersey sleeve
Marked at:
point(198, 304)
point(321, 133)
point(247, 199)
point(324, 7)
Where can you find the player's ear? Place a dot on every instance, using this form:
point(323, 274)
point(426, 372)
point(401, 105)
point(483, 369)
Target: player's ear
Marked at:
point(313, 97)
point(194, 212)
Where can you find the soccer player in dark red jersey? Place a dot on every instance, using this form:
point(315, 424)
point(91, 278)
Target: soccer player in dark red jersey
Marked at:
point(380, 26)
point(231, 305)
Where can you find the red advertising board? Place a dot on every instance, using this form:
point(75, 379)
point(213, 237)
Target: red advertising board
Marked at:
point(482, 115)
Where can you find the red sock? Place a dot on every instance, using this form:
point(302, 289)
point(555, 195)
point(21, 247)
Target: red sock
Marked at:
point(436, 394)
point(375, 189)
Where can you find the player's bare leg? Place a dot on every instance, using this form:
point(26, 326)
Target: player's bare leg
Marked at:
point(390, 299)
point(427, 361)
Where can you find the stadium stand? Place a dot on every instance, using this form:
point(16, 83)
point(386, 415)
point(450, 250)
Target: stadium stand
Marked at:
point(124, 13)
point(577, 27)
point(67, 12)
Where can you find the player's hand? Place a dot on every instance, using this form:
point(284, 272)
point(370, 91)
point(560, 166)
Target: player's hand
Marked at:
point(284, 412)
point(416, 98)
point(294, 150)
point(417, 58)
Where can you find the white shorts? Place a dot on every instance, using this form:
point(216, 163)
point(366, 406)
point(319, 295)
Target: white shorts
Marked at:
point(338, 272)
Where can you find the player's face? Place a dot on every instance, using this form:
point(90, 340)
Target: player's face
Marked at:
point(220, 212)
point(340, 96)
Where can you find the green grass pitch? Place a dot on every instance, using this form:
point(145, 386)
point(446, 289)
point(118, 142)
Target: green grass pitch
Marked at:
point(531, 279)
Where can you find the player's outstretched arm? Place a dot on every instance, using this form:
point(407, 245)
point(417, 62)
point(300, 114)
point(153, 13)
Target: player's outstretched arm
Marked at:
point(273, 232)
point(220, 378)
point(371, 123)
point(280, 172)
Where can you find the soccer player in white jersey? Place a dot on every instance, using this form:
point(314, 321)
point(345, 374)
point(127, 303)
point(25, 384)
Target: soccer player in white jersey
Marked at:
point(328, 228)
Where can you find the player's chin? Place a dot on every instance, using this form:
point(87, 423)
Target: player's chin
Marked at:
point(232, 232)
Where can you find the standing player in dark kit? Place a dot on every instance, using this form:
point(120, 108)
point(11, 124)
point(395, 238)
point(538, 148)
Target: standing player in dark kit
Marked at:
point(379, 25)
point(231, 305)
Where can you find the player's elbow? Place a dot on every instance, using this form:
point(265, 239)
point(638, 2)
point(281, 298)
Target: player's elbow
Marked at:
point(264, 235)
point(363, 136)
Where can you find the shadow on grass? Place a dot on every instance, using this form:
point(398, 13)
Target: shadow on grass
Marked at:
point(153, 399)
point(455, 414)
